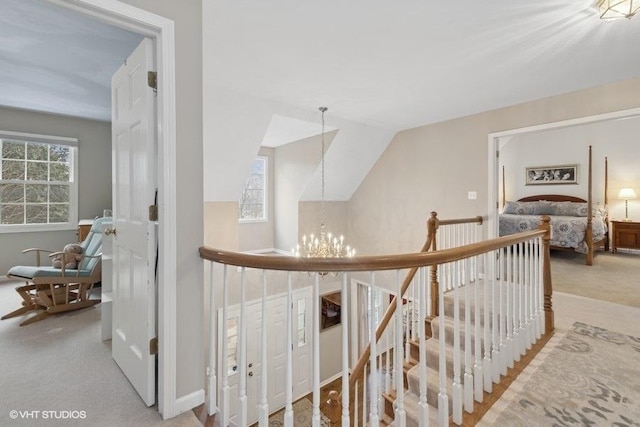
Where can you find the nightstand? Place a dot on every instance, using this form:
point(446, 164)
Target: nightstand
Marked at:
point(625, 234)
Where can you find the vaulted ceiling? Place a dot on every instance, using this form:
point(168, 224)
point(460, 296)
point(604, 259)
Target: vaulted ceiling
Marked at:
point(393, 65)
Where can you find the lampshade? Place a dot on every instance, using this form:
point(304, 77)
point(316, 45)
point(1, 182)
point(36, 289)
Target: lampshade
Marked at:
point(627, 194)
point(616, 9)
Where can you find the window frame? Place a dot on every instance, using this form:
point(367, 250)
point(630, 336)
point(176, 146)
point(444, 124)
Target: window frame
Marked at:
point(72, 143)
point(265, 197)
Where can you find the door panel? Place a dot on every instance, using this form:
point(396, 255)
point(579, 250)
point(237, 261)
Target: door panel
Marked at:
point(134, 184)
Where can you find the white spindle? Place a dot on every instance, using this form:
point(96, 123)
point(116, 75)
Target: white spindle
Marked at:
point(364, 399)
point(288, 409)
point(263, 407)
point(356, 412)
point(212, 380)
point(443, 398)
point(316, 352)
point(468, 361)
point(522, 293)
point(242, 346)
point(490, 278)
point(502, 334)
point(423, 407)
point(406, 326)
point(478, 375)
point(540, 288)
point(495, 339)
point(374, 419)
point(225, 349)
point(456, 388)
point(511, 310)
point(344, 319)
point(400, 414)
point(529, 296)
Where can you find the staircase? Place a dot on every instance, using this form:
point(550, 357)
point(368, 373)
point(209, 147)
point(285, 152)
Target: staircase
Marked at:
point(470, 371)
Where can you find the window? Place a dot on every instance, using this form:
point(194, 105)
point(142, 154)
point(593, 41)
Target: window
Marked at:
point(253, 202)
point(38, 187)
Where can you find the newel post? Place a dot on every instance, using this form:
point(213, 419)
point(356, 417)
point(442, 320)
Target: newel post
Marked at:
point(546, 274)
point(432, 229)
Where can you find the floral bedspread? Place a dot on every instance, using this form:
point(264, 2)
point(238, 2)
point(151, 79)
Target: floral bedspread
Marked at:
point(566, 231)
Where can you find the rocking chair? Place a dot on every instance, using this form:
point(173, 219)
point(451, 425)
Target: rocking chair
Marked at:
point(55, 290)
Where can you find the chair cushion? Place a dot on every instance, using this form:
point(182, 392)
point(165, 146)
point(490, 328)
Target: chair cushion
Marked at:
point(30, 272)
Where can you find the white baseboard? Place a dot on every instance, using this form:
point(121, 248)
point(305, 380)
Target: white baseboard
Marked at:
point(190, 401)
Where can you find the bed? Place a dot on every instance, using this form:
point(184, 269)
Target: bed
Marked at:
point(576, 224)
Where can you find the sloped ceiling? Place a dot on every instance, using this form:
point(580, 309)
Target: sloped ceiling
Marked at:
point(394, 65)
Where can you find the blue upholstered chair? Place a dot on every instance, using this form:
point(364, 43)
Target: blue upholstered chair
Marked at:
point(54, 290)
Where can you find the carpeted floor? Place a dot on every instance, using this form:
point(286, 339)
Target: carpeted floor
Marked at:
point(58, 372)
point(587, 376)
point(613, 278)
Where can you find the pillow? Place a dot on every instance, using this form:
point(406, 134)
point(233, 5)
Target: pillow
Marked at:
point(519, 208)
point(599, 211)
point(569, 208)
point(542, 208)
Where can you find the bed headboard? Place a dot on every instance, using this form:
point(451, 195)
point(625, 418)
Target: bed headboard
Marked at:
point(552, 198)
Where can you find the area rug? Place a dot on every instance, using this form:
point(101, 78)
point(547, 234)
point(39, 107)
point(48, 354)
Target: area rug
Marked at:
point(589, 376)
point(302, 416)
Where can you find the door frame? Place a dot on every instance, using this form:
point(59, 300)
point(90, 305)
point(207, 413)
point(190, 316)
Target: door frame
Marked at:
point(161, 30)
point(494, 145)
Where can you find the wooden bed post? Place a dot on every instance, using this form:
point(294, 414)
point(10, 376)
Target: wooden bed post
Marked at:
point(588, 236)
point(546, 274)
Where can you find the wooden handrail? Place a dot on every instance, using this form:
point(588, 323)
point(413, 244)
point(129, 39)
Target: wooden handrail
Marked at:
point(362, 263)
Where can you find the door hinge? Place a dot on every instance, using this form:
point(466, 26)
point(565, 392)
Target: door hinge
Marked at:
point(152, 79)
point(498, 154)
point(153, 345)
point(153, 213)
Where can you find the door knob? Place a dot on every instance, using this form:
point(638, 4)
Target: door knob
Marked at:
point(250, 365)
point(110, 231)
point(250, 373)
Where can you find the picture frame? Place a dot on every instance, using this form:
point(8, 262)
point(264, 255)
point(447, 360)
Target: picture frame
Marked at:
point(330, 310)
point(548, 175)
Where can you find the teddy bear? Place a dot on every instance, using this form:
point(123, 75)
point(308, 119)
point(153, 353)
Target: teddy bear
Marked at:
point(70, 257)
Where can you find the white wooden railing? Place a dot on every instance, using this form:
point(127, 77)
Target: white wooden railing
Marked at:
point(504, 283)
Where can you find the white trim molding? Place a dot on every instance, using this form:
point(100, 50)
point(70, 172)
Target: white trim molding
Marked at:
point(161, 30)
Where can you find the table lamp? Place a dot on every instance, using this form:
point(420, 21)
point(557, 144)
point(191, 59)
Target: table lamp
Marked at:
point(627, 194)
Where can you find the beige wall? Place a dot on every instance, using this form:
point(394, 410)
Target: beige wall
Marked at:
point(94, 177)
point(431, 168)
point(187, 17)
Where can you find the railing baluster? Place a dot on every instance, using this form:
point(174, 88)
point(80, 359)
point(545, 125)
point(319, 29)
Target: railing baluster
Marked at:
point(400, 415)
point(263, 408)
point(490, 278)
point(374, 419)
point(288, 409)
point(226, 398)
point(443, 398)
point(496, 355)
point(456, 388)
point(316, 351)
point(478, 375)
point(212, 382)
point(468, 370)
point(423, 304)
point(344, 318)
point(521, 287)
point(539, 289)
point(242, 339)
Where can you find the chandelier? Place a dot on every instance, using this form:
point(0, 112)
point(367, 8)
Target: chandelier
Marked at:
point(616, 9)
point(324, 245)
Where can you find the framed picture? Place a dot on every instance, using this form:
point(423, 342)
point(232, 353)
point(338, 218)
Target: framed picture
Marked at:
point(544, 175)
point(330, 310)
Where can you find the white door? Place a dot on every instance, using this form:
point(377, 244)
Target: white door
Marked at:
point(276, 352)
point(134, 244)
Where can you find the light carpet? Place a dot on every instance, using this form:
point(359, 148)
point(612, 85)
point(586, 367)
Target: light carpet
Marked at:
point(586, 376)
point(302, 416)
point(612, 277)
point(58, 372)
